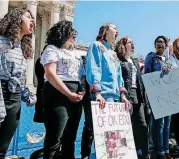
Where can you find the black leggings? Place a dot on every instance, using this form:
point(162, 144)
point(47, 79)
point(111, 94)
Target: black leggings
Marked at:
point(9, 125)
point(174, 126)
point(61, 121)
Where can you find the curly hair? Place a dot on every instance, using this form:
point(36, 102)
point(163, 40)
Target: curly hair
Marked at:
point(10, 26)
point(59, 33)
point(120, 48)
point(102, 32)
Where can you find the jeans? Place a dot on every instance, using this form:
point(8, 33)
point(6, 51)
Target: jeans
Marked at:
point(61, 119)
point(150, 130)
point(111, 100)
point(161, 133)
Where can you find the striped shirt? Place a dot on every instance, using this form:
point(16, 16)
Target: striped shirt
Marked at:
point(13, 68)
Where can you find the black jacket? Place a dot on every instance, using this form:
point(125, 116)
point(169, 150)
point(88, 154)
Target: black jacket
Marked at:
point(84, 82)
point(127, 76)
point(39, 72)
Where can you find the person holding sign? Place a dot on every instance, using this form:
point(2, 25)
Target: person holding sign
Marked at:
point(104, 71)
point(161, 127)
point(136, 93)
point(62, 92)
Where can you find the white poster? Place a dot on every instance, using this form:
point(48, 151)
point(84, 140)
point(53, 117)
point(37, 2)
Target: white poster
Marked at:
point(113, 132)
point(163, 92)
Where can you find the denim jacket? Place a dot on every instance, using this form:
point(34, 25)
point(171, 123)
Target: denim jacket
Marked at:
point(103, 71)
point(153, 63)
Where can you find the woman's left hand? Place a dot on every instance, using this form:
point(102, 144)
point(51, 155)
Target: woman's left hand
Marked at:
point(31, 101)
point(127, 103)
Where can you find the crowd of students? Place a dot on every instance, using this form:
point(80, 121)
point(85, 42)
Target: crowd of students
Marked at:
point(67, 83)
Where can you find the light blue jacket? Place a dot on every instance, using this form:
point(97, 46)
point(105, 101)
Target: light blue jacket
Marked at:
point(103, 71)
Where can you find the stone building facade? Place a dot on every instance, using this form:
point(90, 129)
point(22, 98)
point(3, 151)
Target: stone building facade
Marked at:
point(46, 13)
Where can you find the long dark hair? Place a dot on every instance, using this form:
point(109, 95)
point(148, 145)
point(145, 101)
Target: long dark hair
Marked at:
point(10, 26)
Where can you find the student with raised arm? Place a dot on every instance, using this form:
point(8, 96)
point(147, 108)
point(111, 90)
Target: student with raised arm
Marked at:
point(157, 61)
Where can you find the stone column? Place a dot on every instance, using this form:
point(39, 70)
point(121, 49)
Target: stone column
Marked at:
point(44, 17)
point(4, 5)
point(55, 12)
point(32, 6)
point(67, 13)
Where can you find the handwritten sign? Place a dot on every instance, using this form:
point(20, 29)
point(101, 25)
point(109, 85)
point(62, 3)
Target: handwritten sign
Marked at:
point(163, 92)
point(113, 132)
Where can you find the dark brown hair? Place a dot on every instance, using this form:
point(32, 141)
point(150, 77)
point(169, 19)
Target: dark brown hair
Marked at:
point(166, 40)
point(175, 45)
point(59, 33)
point(120, 47)
point(10, 26)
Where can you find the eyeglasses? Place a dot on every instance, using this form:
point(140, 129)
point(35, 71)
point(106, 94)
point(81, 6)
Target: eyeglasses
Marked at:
point(160, 41)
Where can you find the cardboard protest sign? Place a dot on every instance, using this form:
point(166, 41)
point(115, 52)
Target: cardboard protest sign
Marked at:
point(113, 132)
point(163, 92)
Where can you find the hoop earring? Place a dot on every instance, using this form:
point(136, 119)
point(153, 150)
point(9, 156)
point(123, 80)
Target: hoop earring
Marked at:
point(71, 47)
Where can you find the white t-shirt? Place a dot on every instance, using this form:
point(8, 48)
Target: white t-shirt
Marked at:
point(69, 66)
point(134, 73)
point(163, 58)
point(134, 76)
